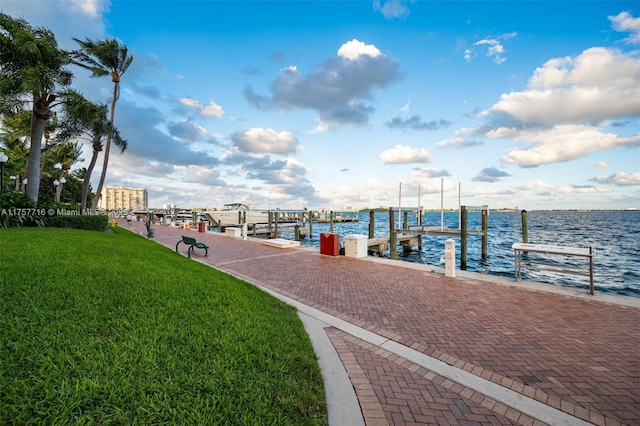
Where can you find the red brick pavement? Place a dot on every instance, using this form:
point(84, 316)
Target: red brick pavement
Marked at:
point(578, 355)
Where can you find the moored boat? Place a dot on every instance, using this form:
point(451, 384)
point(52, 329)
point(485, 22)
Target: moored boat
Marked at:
point(234, 214)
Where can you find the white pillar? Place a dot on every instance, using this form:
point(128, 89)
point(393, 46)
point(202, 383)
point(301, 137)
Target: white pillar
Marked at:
point(450, 258)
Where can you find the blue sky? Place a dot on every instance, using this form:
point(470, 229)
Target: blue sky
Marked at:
point(334, 104)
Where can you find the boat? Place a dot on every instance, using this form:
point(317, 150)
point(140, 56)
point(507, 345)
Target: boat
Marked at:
point(338, 218)
point(235, 214)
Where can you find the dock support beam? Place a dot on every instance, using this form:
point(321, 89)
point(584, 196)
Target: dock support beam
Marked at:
point(463, 238)
point(391, 221)
point(525, 231)
point(485, 233)
point(393, 245)
point(371, 224)
point(275, 223)
point(331, 221)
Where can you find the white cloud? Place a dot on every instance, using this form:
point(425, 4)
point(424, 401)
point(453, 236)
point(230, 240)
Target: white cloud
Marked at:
point(259, 140)
point(597, 85)
point(189, 102)
point(625, 22)
point(490, 174)
point(67, 19)
point(392, 8)
point(579, 189)
point(559, 144)
point(91, 8)
point(620, 179)
point(468, 55)
point(404, 154)
point(457, 143)
point(187, 131)
point(210, 110)
point(600, 165)
point(354, 49)
point(340, 89)
point(429, 173)
point(495, 48)
point(537, 186)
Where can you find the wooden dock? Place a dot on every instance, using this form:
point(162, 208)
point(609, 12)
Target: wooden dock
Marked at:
point(409, 236)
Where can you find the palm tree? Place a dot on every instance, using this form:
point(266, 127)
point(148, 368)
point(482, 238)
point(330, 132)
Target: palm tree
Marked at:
point(104, 58)
point(14, 138)
point(32, 70)
point(65, 154)
point(88, 120)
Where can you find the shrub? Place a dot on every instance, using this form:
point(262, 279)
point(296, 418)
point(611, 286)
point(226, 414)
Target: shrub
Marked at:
point(86, 222)
point(17, 209)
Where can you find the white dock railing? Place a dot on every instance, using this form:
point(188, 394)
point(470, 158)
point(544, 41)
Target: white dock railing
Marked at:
point(587, 252)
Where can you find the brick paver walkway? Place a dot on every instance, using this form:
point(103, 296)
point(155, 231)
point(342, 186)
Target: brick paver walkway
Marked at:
point(578, 355)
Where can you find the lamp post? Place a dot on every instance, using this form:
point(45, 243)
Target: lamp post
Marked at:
point(58, 184)
point(3, 159)
point(56, 198)
point(62, 182)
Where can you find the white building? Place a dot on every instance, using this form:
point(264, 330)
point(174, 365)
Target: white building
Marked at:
point(121, 198)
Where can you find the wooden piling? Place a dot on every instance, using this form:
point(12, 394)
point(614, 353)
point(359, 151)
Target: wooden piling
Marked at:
point(405, 220)
point(525, 231)
point(485, 233)
point(372, 215)
point(297, 232)
point(310, 213)
point(391, 221)
point(393, 245)
point(591, 270)
point(463, 238)
point(331, 221)
point(275, 227)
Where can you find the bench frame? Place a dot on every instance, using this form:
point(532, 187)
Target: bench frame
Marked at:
point(588, 252)
point(192, 243)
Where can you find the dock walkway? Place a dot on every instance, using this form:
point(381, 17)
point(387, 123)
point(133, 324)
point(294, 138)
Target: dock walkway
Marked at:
point(421, 348)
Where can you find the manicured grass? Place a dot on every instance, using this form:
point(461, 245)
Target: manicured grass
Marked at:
point(109, 328)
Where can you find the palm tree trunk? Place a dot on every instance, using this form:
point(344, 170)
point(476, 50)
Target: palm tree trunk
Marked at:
point(33, 165)
point(107, 147)
point(87, 178)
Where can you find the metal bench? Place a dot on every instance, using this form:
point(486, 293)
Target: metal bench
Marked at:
point(588, 252)
point(192, 243)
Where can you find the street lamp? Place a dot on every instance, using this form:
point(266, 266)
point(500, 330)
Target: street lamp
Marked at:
point(58, 185)
point(56, 198)
point(3, 159)
point(62, 182)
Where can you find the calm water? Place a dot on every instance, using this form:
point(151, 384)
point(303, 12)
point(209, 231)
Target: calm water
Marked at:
point(614, 235)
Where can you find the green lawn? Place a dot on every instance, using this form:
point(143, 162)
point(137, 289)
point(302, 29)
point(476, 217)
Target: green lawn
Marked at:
point(109, 328)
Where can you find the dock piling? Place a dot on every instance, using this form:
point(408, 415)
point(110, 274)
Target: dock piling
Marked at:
point(525, 231)
point(393, 245)
point(463, 238)
point(485, 233)
point(331, 221)
point(371, 223)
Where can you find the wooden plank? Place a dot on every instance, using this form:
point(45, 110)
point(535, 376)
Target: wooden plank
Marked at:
point(377, 241)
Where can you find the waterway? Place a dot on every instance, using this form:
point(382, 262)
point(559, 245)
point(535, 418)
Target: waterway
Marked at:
point(613, 234)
